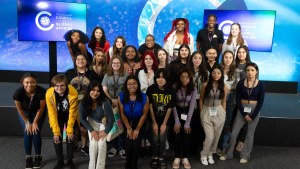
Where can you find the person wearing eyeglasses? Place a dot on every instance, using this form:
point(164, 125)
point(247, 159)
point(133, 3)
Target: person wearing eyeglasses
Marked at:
point(149, 46)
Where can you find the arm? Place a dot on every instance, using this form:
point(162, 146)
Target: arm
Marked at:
point(82, 48)
point(52, 112)
point(144, 116)
point(260, 100)
point(109, 115)
point(221, 41)
point(38, 115)
point(202, 93)
point(191, 109)
point(164, 124)
point(198, 46)
point(83, 118)
point(124, 119)
point(192, 45)
point(154, 124)
point(73, 110)
point(70, 50)
point(223, 102)
point(239, 97)
point(24, 117)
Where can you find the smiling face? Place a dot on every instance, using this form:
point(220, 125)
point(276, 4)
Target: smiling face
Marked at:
point(235, 30)
point(98, 34)
point(29, 84)
point(149, 42)
point(81, 61)
point(161, 81)
point(116, 64)
point(119, 43)
point(242, 54)
point(95, 93)
point(132, 85)
point(211, 22)
point(216, 74)
point(228, 59)
point(130, 53)
point(180, 26)
point(75, 37)
point(211, 54)
point(60, 88)
point(162, 56)
point(184, 53)
point(99, 55)
point(197, 60)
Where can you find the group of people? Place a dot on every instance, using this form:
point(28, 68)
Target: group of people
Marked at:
point(165, 95)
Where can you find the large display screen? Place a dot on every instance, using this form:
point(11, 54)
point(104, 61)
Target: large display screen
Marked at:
point(257, 26)
point(49, 21)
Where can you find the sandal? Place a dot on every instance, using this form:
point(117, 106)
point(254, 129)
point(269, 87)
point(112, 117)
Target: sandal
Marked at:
point(162, 163)
point(154, 163)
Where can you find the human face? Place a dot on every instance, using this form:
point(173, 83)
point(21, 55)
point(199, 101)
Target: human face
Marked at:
point(149, 42)
point(242, 55)
point(130, 53)
point(161, 81)
point(29, 84)
point(99, 57)
point(211, 22)
point(75, 37)
point(132, 85)
point(180, 26)
point(81, 61)
point(95, 93)
point(184, 53)
point(148, 60)
point(60, 88)
point(98, 34)
point(162, 56)
point(235, 30)
point(211, 54)
point(216, 74)
point(228, 59)
point(119, 43)
point(197, 60)
point(116, 64)
point(184, 78)
point(251, 72)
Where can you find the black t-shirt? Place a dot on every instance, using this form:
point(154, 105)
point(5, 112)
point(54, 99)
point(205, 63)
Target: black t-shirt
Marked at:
point(30, 105)
point(161, 100)
point(62, 106)
point(204, 36)
point(143, 48)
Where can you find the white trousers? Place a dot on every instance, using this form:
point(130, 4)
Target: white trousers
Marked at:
point(97, 149)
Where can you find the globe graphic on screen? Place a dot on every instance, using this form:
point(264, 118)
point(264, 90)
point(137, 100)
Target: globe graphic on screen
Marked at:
point(45, 21)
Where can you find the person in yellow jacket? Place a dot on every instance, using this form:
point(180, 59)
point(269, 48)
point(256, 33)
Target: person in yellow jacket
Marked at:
point(62, 104)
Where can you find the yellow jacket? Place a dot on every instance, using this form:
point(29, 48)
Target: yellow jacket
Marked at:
point(52, 111)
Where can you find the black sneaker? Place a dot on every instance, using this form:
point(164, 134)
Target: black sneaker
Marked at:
point(37, 162)
point(59, 165)
point(85, 150)
point(70, 164)
point(29, 163)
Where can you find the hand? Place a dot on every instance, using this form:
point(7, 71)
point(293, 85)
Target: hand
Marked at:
point(135, 134)
point(95, 135)
point(114, 103)
point(187, 130)
point(129, 133)
point(102, 134)
point(56, 139)
point(177, 128)
point(163, 129)
point(247, 118)
point(35, 128)
point(155, 128)
point(28, 128)
point(70, 137)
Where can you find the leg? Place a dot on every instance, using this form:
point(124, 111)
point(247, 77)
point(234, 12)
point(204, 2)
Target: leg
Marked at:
point(128, 149)
point(102, 148)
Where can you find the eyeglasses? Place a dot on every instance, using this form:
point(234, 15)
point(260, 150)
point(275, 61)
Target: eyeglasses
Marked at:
point(116, 63)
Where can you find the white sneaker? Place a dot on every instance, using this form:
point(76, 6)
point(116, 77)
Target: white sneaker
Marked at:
point(222, 158)
point(204, 160)
point(112, 152)
point(176, 163)
point(186, 163)
point(243, 161)
point(122, 153)
point(211, 160)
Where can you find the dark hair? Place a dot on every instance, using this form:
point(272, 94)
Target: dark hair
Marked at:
point(240, 40)
point(184, 46)
point(87, 101)
point(150, 35)
point(186, 38)
point(190, 85)
point(104, 62)
point(93, 38)
point(123, 55)
point(164, 72)
point(216, 18)
point(155, 63)
point(221, 85)
point(253, 65)
point(83, 37)
point(202, 67)
point(116, 51)
point(28, 74)
point(231, 67)
point(248, 59)
point(167, 55)
point(138, 90)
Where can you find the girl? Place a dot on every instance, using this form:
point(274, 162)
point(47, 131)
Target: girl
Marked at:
point(212, 108)
point(250, 95)
point(92, 109)
point(148, 46)
point(30, 103)
point(178, 35)
point(163, 58)
point(235, 39)
point(211, 63)
point(243, 58)
point(131, 60)
point(98, 40)
point(186, 95)
point(162, 100)
point(133, 106)
point(116, 49)
point(99, 64)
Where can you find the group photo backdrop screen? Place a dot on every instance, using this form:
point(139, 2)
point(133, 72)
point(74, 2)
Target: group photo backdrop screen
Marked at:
point(135, 19)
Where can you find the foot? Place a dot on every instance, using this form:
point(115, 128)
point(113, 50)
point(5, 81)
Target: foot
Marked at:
point(186, 163)
point(85, 150)
point(176, 163)
point(122, 153)
point(162, 163)
point(211, 160)
point(154, 162)
point(59, 165)
point(204, 160)
point(112, 152)
point(243, 161)
point(222, 158)
point(37, 162)
point(29, 163)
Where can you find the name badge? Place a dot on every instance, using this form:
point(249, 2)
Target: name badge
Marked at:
point(183, 117)
point(247, 110)
point(213, 111)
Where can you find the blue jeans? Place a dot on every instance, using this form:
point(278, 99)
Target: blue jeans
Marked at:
point(35, 138)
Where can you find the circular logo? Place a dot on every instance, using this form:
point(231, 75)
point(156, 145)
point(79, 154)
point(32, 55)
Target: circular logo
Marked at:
point(45, 21)
point(42, 21)
point(225, 27)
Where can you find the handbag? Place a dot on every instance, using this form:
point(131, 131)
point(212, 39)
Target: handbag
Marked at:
point(117, 128)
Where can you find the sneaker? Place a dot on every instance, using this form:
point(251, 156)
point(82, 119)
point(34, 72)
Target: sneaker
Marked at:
point(222, 158)
point(176, 163)
point(59, 165)
point(162, 163)
point(85, 150)
point(122, 153)
point(186, 163)
point(167, 145)
point(112, 152)
point(243, 161)
point(37, 162)
point(76, 148)
point(211, 160)
point(29, 163)
point(204, 160)
point(239, 147)
point(154, 162)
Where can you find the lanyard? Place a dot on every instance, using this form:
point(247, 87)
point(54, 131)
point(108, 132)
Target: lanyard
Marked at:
point(116, 84)
point(214, 93)
point(132, 106)
point(80, 78)
point(182, 90)
point(250, 91)
point(210, 36)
